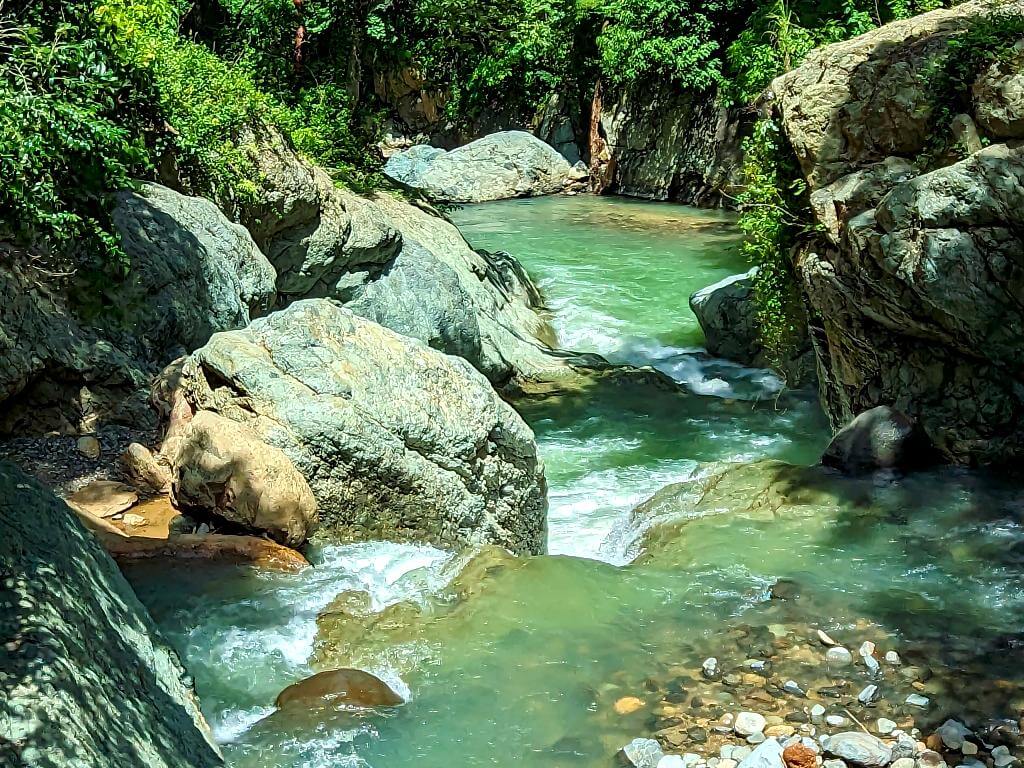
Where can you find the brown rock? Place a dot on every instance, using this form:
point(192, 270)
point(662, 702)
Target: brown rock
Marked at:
point(224, 469)
point(241, 550)
point(103, 498)
point(146, 469)
point(799, 756)
point(89, 447)
point(352, 687)
point(628, 705)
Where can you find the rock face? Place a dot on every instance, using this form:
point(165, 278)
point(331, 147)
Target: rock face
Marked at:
point(224, 469)
point(495, 167)
point(879, 438)
point(665, 145)
point(399, 265)
point(192, 272)
point(86, 678)
point(395, 439)
point(915, 288)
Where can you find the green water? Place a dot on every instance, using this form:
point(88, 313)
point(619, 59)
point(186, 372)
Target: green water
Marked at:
point(524, 670)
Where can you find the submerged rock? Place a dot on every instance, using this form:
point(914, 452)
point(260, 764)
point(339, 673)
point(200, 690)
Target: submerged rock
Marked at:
point(351, 687)
point(497, 166)
point(396, 440)
point(87, 679)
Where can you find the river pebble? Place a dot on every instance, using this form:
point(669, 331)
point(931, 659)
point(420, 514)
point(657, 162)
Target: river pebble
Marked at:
point(917, 700)
point(748, 723)
point(885, 726)
point(643, 753)
point(838, 656)
point(859, 748)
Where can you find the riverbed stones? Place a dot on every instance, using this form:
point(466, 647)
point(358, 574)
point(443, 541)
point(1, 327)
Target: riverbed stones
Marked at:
point(87, 679)
point(641, 753)
point(395, 439)
point(225, 470)
point(495, 167)
point(839, 656)
point(860, 749)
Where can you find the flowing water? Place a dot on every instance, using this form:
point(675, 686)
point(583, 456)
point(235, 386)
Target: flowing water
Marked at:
point(520, 662)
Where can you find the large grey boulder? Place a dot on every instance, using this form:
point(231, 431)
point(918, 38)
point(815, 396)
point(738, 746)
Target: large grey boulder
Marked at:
point(495, 167)
point(86, 679)
point(397, 264)
point(998, 96)
point(395, 439)
point(915, 285)
point(191, 273)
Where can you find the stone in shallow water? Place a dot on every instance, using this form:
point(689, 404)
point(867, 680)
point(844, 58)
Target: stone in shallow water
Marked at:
point(836, 721)
point(953, 733)
point(839, 656)
point(917, 700)
point(834, 762)
point(767, 755)
point(710, 667)
point(799, 756)
point(885, 726)
point(642, 753)
point(903, 762)
point(826, 639)
point(860, 749)
point(869, 694)
point(748, 723)
point(1000, 756)
point(352, 687)
point(893, 658)
point(103, 498)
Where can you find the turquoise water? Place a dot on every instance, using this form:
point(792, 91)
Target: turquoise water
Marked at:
point(521, 663)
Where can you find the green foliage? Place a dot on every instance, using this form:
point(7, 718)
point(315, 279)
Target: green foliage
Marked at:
point(774, 214)
point(70, 134)
point(988, 39)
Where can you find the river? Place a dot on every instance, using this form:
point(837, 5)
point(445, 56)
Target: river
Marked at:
point(522, 661)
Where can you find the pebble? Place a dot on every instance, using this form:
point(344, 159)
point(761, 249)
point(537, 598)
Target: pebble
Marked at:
point(872, 664)
point(755, 738)
point(817, 713)
point(929, 758)
point(969, 748)
point(869, 694)
point(748, 723)
point(917, 700)
point(859, 748)
point(891, 657)
point(799, 756)
point(643, 753)
point(767, 755)
point(791, 686)
point(727, 763)
point(825, 639)
point(839, 656)
point(89, 447)
point(132, 520)
point(836, 721)
point(953, 733)
point(624, 706)
point(710, 667)
point(903, 762)
point(834, 762)
point(885, 726)
point(867, 648)
point(1001, 757)
point(673, 761)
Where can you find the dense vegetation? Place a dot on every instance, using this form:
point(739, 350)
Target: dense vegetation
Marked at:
point(98, 92)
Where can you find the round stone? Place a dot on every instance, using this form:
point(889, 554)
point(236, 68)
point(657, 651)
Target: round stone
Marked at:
point(839, 656)
point(748, 723)
point(885, 726)
point(859, 748)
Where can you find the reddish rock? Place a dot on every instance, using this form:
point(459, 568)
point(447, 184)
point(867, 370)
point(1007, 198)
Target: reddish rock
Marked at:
point(799, 756)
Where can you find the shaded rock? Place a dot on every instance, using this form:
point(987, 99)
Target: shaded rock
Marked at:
point(89, 447)
point(497, 166)
point(860, 749)
point(145, 469)
point(913, 287)
point(395, 439)
point(998, 96)
point(87, 679)
point(350, 687)
point(224, 469)
point(728, 316)
point(660, 143)
point(879, 438)
point(222, 548)
point(103, 498)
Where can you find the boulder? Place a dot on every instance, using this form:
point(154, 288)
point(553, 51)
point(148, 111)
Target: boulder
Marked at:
point(913, 287)
point(350, 687)
point(87, 679)
point(879, 438)
point(395, 439)
point(191, 273)
point(998, 96)
point(222, 468)
point(495, 167)
point(641, 753)
point(403, 266)
point(728, 316)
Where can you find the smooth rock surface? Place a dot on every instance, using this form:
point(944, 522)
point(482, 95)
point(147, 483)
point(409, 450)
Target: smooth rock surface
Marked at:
point(86, 678)
point(222, 468)
point(859, 748)
point(642, 753)
point(395, 439)
point(495, 167)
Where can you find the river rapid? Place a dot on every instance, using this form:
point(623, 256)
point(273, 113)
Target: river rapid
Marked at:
point(520, 662)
